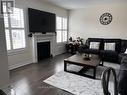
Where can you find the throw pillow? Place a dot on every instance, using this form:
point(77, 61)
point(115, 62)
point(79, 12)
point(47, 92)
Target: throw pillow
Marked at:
point(94, 45)
point(109, 46)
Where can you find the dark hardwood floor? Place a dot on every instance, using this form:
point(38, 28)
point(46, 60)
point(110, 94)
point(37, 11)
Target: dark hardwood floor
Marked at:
point(28, 80)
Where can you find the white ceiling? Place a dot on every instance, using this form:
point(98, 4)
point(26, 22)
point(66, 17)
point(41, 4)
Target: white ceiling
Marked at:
point(75, 4)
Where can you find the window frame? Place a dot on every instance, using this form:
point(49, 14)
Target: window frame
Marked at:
point(62, 29)
point(10, 28)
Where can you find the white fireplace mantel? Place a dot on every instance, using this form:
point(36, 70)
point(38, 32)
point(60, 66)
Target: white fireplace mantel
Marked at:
point(36, 38)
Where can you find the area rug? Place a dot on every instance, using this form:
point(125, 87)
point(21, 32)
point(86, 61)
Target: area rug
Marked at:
point(77, 85)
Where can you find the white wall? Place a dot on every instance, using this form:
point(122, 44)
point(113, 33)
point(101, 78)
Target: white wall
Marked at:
point(25, 57)
point(4, 73)
point(85, 22)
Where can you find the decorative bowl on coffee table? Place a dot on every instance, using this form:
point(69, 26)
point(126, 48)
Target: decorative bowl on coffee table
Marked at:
point(86, 56)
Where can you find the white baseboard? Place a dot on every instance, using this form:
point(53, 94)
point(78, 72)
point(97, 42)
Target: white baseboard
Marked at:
point(20, 64)
point(60, 50)
point(30, 61)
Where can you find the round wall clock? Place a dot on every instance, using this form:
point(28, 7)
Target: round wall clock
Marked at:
point(106, 18)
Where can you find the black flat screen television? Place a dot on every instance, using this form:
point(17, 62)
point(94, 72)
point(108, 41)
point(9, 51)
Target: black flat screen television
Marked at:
point(40, 21)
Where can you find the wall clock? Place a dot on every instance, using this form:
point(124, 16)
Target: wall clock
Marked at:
point(106, 18)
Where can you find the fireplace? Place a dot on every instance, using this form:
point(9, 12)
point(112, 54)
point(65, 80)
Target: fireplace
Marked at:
point(43, 50)
point(44, 41)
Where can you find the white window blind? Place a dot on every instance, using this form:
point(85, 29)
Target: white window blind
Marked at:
point(14, 29)
point(7, 34)
point(6, 22)
point(59, 37)
point(61, 29)
point(17, 19)
point(59, 23)
point(18, 38)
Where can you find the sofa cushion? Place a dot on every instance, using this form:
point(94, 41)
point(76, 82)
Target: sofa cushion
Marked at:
point(109, 53)
point(109, 46)
point(94, 45)
point(91, 51)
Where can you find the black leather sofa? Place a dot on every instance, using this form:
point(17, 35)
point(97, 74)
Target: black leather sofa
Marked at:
point(106, 55)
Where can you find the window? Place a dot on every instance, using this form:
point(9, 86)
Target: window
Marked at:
point(14, 29)
point(61, 29)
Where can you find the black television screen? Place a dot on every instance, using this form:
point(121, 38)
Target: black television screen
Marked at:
point(40, 21)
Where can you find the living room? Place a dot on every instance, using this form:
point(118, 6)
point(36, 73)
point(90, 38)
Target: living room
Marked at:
point(83, 19)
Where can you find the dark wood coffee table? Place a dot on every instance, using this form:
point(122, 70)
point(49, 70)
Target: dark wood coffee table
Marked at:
point(77, 59)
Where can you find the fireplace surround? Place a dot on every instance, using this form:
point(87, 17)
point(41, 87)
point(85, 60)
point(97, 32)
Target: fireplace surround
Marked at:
point(39, 38)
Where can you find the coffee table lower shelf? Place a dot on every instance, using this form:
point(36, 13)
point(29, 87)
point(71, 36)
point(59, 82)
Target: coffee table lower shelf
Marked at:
point(82, 71)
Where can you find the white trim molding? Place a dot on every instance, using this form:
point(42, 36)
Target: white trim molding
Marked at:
point(14, 66)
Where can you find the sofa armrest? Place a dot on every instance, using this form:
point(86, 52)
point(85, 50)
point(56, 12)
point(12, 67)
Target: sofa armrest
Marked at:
point(122, 77)
point(123, 49)
point(122, 57)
